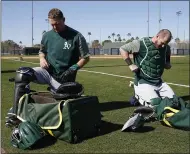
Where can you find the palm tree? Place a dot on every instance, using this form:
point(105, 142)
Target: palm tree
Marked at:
point(124, 40)
point(119, 38)
point(43, 32)
point(20, 44)
point(109, 37)
point(132, 38)
point(89, 33)
point(129, 34)
point(137, 38)
point(113, 34)
point(115, 40)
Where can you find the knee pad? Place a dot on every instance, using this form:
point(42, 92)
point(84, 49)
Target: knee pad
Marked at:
point(24, 75)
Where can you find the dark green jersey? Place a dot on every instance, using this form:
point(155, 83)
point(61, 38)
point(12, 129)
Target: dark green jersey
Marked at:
point(63, 49)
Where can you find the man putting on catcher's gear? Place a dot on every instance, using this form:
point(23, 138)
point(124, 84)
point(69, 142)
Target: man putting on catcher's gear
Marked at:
point(63, 52)
point(151, 56)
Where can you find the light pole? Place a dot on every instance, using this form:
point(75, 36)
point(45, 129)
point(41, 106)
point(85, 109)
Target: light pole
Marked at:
point(47, 23)
point(160, 20)
point(178, 14)
point(148, 18)
point(32, 24)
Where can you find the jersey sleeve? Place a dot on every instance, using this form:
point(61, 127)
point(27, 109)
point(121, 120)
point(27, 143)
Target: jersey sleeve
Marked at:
point(83, 47)
point(131, 47)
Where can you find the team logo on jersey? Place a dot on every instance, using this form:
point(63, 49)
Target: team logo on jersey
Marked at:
point(67, 45)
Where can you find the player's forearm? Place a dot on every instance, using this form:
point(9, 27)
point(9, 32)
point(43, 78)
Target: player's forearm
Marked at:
point(124, 54)
point(83, 61)
point(41, 55)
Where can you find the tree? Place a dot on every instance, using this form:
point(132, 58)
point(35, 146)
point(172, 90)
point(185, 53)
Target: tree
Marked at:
point(132, 38)
point(109, 37)
point(128, 41)
point(119, 39)
point(106, 41)
point(115, 40)
point(137, 38)
point(129, 34)
point(124, 40)
point(37, 45)
point(118, 35)
point(96, 44)
point(177, 40)
point(89, 33)
point(113, 34)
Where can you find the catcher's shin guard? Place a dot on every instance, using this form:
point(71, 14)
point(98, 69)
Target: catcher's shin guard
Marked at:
point(24, 76)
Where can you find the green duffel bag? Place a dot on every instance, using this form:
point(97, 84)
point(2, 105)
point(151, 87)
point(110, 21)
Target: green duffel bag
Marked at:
point(71, 120)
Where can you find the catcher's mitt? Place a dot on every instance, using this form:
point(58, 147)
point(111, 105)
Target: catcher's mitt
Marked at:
point(68, 90)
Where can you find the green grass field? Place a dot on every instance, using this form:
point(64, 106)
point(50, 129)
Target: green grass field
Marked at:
point(113, 93)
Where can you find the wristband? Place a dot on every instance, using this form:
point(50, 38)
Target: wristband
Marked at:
point(75, 67)
point(128, 61)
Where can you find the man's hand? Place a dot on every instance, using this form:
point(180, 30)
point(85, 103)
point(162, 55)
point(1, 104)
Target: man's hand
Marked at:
point(168, 66)
point(133, 68)
point(69, 73)
point(43, 63)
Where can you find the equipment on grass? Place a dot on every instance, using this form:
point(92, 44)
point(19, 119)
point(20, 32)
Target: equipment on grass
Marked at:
point(26, 135)
point(73, 119)
point(135, 121)
point(11, 120)
point(140, 115)
point(24, 75)
point(68, 90)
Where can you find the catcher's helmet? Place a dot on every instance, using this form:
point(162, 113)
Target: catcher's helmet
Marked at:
point(26, 135)
point(135, 121)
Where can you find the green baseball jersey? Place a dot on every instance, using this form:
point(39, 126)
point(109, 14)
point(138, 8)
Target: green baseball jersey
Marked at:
point(64, 49)
point(149, 59)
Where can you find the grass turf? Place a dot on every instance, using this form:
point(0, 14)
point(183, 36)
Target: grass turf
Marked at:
point(113, 94)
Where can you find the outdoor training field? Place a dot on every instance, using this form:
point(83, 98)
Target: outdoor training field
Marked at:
point(106, 78)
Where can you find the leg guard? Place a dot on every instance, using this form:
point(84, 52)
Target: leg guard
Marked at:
point(24, 76)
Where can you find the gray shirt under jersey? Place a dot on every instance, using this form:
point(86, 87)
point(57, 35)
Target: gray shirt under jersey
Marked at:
point(131, 47)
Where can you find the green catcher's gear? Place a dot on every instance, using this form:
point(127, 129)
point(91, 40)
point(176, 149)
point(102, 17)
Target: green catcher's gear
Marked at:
point(26, 135)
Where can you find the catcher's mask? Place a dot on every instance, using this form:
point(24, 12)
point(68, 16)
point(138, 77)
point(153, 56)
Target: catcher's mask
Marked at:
point(26, 135)
point(135, 121)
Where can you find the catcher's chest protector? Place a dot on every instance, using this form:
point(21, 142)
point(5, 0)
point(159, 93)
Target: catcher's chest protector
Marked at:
point(70, 120)
point(150, 60)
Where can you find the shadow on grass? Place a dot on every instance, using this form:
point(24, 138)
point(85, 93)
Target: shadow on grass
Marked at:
point(108, 127)
point(143, 129)
point(114, 105)
point(44, 142)
point(105, 128)
point(8, 71)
